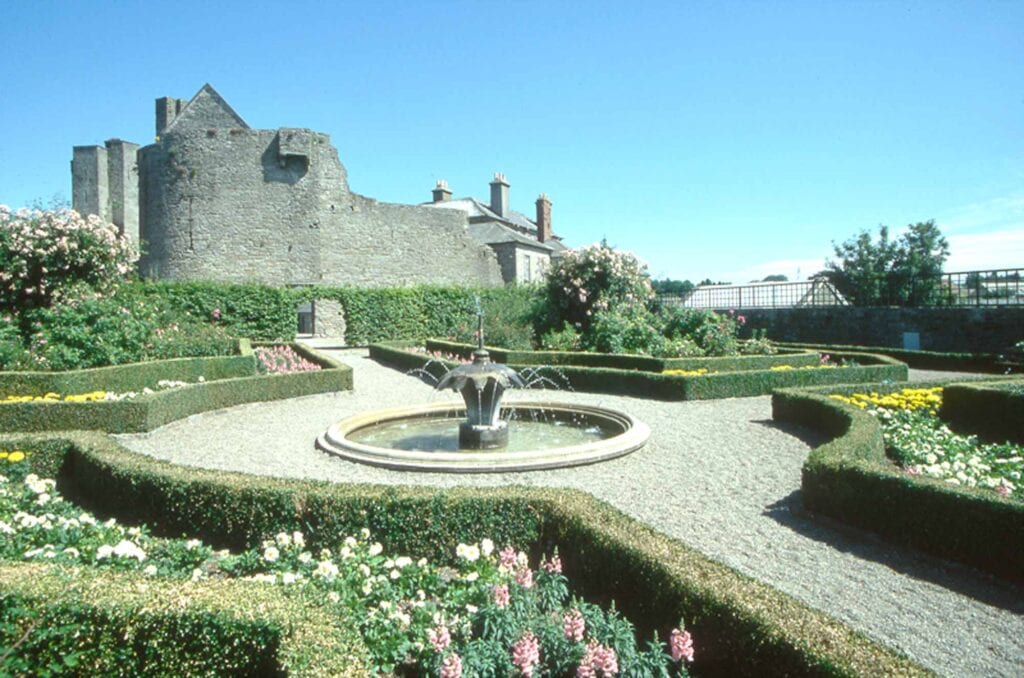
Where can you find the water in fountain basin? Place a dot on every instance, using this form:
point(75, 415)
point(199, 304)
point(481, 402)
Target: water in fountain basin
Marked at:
point(433, 434)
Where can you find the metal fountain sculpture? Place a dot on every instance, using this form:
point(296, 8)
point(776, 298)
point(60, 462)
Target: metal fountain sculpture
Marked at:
point(482, 384)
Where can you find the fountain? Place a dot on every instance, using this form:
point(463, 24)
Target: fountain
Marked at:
point(547, 434)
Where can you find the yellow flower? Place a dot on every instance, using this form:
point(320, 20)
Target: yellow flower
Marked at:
point(16, 456)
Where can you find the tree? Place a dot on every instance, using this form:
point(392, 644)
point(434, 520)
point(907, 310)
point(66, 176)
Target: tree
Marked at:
point(903, 272)
point(668, 286)
point(776, 277)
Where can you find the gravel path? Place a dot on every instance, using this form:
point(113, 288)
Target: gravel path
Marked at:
point(717, 475)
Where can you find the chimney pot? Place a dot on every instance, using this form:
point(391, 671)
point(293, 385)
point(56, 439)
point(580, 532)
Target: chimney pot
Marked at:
point(441, 192)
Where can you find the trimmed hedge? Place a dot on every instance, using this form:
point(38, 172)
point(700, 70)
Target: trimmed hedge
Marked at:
point(131, 377)
point(851, 479)
point(259, 312)
point(921, 360)
point(630, 362)
point(670, 386)
point(91, 622)
point(742, 627)
point(147, 412)
point(993, 410)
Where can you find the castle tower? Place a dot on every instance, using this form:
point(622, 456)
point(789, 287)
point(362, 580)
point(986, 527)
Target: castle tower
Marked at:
point(105, 182)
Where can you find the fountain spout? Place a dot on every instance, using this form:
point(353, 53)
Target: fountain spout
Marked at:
point(482, 384)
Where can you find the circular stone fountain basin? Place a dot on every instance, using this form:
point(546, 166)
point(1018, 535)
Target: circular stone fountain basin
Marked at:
point(542, 436)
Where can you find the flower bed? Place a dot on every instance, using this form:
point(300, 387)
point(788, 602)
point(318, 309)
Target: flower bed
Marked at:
point(488, 611)
point(921, 443)
point(147, 411)
point(850, 478)
point(741, 627)
point(704, 386)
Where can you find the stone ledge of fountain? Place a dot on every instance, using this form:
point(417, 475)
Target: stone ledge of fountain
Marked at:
point(335, 441)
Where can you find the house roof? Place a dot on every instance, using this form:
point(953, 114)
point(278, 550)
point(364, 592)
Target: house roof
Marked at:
point(487, 226)
point(207, 109)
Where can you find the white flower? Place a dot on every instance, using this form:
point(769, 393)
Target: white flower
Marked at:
point(350, 542)
point(471, 609)
point(472, 576)
point(367, 587)
point(365, 533)
point(288, 578)
point(197, 574)
point(271, 554)
point(104, 551)
point(486, 546)
point(305, 557)
point(346, 553)
point(326, 570)
point(266, 578)
point(422, 562)
point(283, 539)
point(193, 544)
point(364, 569)
point(5, 528)
point(42, 499)
point(150, 571)
point(71, 551)
point(334, 596)
point(403, 561)
point(376, 549)
point(298, 539)
point(395, 574)
point(128, 549)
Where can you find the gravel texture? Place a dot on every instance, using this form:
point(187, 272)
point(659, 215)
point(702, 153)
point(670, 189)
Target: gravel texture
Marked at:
point(719, 476)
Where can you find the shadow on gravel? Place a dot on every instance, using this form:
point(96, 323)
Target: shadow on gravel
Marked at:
point(804, 435)
point(959, 578)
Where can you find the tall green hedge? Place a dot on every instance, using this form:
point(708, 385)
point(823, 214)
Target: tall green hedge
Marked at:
point(259, 312)
point(742, 627)
point(851, 479)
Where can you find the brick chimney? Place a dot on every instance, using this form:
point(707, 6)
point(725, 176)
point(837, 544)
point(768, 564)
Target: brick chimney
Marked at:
point(543, 218)
point(499, 196)
point(441, 192)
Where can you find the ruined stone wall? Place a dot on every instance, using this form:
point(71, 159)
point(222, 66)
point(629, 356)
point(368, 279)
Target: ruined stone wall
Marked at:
point(273, 206)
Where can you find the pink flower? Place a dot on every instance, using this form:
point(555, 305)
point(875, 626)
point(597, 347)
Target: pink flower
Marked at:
point(501, 595)
point(215, 313)
point(741, 319)
point(553, 566)
point(439, 638)
point(524, 577)
point(573, 625)
point(526, 653)
point(451, 667)
point(598, 661)
point(508, 557)
point(912, 471)
point(1003, 490)
point(681, 645)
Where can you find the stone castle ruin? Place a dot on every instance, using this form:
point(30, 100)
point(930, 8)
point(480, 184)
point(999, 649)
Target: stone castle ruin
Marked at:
point(213, 199)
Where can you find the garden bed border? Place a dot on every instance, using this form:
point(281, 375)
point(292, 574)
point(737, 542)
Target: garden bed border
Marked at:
point(741, 626)
point(850, 479)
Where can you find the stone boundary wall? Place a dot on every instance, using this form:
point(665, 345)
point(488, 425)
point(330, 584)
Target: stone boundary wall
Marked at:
point(977, 330)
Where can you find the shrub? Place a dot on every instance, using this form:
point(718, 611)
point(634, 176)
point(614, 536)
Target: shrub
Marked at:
point(565, 338)
point(45, 253)
point(592, 279)
point(624, 330)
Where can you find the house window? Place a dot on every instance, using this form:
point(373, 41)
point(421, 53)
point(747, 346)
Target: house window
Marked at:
point(527, 273)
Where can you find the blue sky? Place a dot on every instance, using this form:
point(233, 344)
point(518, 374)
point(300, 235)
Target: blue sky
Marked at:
point(723, 140)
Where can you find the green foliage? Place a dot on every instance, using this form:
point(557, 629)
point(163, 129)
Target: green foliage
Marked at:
point(851, 479)
point(46, 253)
point(563, 339)
point(13, 354)
point(991, 410)
point(257, 312)
point(669, 286)
point(629, 329)
point(904, 272)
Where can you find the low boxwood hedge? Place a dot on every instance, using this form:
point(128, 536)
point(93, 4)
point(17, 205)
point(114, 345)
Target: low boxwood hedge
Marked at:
point(921, 360)
point(84, 621)
point(793, 358)
point(150, 411)
point(851, 479)
point(993, 411)
point(132, 377)
point(633, 382)
point(742, 627)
